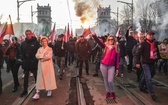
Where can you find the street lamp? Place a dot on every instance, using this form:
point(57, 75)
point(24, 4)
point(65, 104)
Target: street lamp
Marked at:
point(32, 13)
point(131, 6)
point(116, 13)
point(19, 3)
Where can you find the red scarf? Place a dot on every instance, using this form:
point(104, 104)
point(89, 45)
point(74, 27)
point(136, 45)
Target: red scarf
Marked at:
point(153, 53)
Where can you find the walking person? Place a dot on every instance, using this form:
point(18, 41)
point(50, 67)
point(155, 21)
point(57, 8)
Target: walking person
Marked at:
point(5, 45)
point(109, 63)
point(60, 50)
point(121, 41)
point(28, 50)
point(98, 54)
point(147, 55)
point(139, 71)
point(14, 61)
point(46, 79)
point(130, 43)
point(1, 65)
point(83, 50)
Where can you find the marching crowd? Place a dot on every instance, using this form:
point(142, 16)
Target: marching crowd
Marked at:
point(109, 54)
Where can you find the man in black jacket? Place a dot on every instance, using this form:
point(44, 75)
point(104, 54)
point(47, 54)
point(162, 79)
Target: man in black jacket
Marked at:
point(147, 55)
point(60, 50)
point(28, 50)
point(130, 43)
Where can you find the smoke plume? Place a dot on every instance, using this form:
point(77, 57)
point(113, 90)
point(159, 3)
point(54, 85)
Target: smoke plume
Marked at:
point(86, 9)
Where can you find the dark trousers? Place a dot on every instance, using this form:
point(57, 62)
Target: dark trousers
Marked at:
point(138, 73)
point(97, 67)
point(146, 79)
point(5, 59)
point(70, 57)
point(26, 77)
point(129, 67)
point(0, 82)
point(81, 65)
point(14, 66)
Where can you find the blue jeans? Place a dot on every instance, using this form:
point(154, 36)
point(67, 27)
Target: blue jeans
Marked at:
point(146, 79)
point(108, 73)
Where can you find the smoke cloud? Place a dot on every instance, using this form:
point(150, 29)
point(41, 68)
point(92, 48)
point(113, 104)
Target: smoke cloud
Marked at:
point(86, 9)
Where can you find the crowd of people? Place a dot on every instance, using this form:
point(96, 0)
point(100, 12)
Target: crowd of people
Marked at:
point(108, 53)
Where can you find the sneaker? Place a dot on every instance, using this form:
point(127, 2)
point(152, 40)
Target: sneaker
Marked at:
point(15, 89)
point(113, 95)
point(36, 96)
point(122, 75)
point(31, 74)
point(107, 95)
point(153, 97)
point(23, 93)
point(23, 75)
point(49, 93)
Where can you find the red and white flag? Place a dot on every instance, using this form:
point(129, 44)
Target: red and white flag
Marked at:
point(52, 34)
point(67, 34)
point(6, 29)
point(86, 32)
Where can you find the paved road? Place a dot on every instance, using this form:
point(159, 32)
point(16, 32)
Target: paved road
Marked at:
point(127, 90)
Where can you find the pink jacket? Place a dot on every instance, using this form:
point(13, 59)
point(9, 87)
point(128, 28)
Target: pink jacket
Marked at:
point(111, 58)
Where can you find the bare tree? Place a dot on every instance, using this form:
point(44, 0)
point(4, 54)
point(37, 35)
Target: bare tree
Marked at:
point(146, 12)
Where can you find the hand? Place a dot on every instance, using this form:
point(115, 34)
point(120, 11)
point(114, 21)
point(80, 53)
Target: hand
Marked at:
point(137, 65)
point(129, 27)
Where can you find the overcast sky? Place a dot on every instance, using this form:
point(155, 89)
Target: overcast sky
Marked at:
point(59, 8)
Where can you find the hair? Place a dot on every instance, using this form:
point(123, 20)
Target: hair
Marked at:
point(44, 38)
point(28, 31)
point(14, 38)
point(115, 43)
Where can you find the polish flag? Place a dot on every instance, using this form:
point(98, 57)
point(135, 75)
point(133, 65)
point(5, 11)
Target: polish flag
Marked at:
point(52, 34)
point(6, 29)
point(86, 32)
point(67, 34)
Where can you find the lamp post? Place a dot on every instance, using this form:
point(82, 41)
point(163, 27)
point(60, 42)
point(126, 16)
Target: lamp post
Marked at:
point(131, 5)
point(32, 13)
point(19, 3)
point(116, 13)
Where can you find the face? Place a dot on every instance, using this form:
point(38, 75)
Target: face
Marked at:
point(59, 39)
point(29, 35)
point(44, 42)
point(110, 40)
point(150, 36)
point(141, 39)
point(82, 39)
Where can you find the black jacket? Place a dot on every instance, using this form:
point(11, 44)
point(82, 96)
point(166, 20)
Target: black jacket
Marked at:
point(143, 53)
point(28, 50)
point(58, 51)
point(130, 42)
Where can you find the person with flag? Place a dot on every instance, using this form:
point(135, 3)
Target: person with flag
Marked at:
point(109, 63)
point(60, 49)
point(83, 50)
